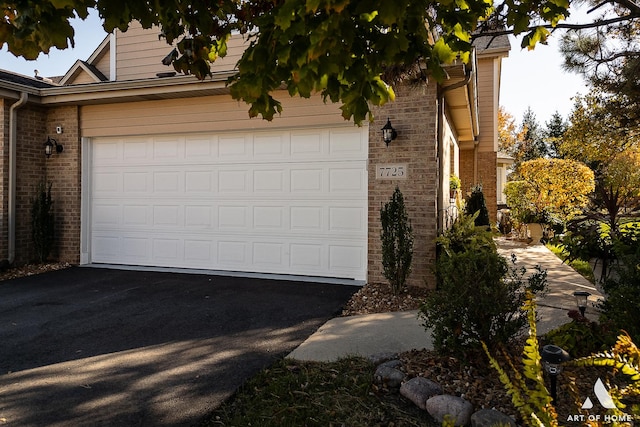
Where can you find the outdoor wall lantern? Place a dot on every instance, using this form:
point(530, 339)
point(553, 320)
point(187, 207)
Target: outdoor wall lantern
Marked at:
point(581, 300)
point(388, 133)
point(552, 358)
point(50, 145)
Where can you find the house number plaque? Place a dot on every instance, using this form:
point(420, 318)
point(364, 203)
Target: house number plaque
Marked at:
point(392, 171)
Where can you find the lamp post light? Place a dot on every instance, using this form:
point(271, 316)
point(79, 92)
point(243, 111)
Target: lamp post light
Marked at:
point(581, 300)
point(552, 357)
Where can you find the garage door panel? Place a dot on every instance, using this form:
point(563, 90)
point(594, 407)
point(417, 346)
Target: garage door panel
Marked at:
point(347, 144)
point(167, 148)
point(135, 150)
point(136, 215)
point(270, 146)
point(233, 148)
point(136, 248)
point(200, 148)
point(273, 202)
point(269, 218)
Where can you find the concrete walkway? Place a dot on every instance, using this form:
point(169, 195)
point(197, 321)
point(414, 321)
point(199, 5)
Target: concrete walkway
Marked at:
point(365, 335)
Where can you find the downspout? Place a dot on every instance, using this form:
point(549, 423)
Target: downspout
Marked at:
point(440, 130)
point(13, 138)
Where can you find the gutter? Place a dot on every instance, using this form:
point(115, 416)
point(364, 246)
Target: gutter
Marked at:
point(13, 137)
point(440, 200)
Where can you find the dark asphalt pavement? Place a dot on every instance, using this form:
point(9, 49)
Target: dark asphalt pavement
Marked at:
point(100, 347)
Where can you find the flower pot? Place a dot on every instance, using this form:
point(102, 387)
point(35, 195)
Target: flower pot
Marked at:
point(535, 232)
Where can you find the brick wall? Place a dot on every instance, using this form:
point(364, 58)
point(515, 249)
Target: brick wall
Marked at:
point(486, 175)
point(64, 170)
point(413, 115)
point(30, 169)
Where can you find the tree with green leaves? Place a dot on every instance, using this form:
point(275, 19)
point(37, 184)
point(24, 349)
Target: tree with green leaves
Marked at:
point(608, 56)
point(348, 51)
point(599, 138)
point(529, 142)
point(532, 145)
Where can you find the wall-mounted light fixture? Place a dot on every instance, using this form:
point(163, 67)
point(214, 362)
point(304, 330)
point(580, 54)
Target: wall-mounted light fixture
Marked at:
point(50, 145)
point(388, 133)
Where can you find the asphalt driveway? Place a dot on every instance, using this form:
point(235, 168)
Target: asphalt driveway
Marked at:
point(100, 347)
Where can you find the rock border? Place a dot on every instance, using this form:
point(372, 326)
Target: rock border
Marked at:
point(428, 395)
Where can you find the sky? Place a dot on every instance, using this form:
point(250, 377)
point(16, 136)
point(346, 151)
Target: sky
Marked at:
point(529, 78)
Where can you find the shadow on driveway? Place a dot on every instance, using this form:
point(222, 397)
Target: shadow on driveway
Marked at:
point(87, 346)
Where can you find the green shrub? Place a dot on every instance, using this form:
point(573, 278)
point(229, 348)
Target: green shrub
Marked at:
point(42, 222)
point(478, 295)
point(477, 204)
point(454, 183)
point(621, 306)
point(581, 337)
point(397, 241)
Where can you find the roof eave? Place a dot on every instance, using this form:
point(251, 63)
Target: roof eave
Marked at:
point(132, 90)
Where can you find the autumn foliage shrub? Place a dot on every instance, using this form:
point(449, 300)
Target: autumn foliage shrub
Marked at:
point(550, 188)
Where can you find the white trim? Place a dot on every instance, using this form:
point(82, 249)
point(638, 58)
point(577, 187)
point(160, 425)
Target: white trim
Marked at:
point(99, 49)
point(112, 56)
point(223, 273)
point(85, 204)
point(79, 66)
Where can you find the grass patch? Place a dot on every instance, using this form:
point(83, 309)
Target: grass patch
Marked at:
point(294, 393)
point(581, 266)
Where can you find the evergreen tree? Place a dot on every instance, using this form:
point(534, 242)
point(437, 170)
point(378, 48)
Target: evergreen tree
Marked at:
point(397, 242)
point(555, 129)
point(477, 203)
point(532, 145)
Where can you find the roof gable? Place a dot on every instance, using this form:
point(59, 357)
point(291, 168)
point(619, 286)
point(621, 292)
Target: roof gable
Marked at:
point(83, 72)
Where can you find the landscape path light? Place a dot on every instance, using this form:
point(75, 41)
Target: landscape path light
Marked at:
point(552, 358)
point(581, 300)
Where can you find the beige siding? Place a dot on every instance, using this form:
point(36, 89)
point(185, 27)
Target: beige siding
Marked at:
point(206, 114)
point(139, 53)
point(103, 63)
point(488, 91)
point(81, 77)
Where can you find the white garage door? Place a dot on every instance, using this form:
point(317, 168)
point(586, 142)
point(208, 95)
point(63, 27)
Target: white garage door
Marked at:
point(290, 202)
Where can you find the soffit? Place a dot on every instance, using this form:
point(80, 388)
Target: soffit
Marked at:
point(461, 102)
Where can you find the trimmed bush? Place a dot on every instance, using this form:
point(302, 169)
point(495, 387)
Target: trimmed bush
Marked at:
point(479, 295)
point(42, 222)
point(477, 205)
point(397, 242)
